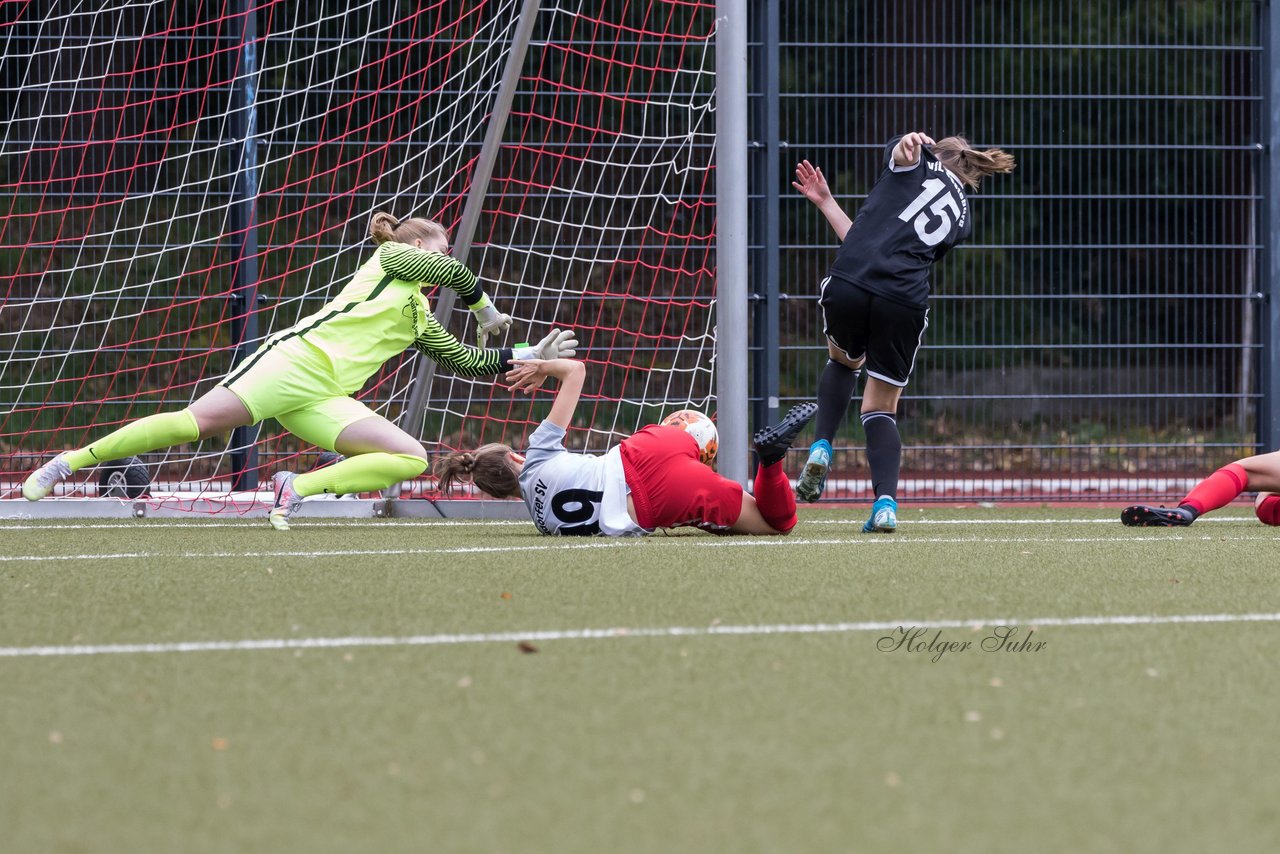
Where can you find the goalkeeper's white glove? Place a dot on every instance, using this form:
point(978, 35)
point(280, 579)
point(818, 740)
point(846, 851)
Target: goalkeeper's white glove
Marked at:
point(559, 344)
point(489, 321)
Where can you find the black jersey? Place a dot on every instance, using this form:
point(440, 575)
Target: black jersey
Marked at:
point(912, 216)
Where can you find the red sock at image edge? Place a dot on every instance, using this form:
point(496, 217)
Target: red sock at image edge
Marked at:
point(1268, 510)
point(774, 497)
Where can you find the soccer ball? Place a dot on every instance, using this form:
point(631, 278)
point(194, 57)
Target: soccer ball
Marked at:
point(701, 428)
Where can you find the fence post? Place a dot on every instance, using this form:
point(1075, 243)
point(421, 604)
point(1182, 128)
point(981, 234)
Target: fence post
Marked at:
point(1269, 406)
point(426, 369)
point(731, 237)
point(243, 126)
point(769, 231)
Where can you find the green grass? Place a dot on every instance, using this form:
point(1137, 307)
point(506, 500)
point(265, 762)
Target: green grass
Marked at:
point(1110, 738)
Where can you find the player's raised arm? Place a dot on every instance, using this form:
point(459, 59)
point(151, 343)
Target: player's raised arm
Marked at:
point(813, 184)
point(414, 264)
point(529, 374)
point(438, 344)
point(907, 152)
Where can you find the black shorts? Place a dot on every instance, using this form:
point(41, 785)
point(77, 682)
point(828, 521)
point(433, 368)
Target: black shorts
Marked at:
point(862, 323)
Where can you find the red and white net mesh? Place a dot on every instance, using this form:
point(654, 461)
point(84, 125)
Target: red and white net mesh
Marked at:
point(129, 154)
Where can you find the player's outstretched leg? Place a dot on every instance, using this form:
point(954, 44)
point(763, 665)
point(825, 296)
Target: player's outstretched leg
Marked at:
point(835, 390)
point(772, 443)
point(378, 454)
point(1217, 490)
point(884, 453)
point(362, 473)
point(146, 434)
point(774, 498)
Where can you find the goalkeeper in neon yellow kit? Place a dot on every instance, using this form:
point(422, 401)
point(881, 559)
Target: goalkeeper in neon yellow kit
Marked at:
point(304, 376)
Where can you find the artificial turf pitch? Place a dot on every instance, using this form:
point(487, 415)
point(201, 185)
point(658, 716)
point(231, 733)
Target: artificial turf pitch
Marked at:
point(429, 687)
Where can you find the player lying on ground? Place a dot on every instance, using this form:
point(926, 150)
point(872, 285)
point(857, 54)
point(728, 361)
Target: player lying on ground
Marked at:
point(875, 299)
point(651, 480)
point(304, 376)
point(1260, 474)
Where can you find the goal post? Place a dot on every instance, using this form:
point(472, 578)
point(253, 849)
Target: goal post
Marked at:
point(732, 321)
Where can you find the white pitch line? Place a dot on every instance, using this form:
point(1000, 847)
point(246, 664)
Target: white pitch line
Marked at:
point(684, 542)
point(1110, 520)
point(116, 556)
point(310, 523)
point(462, 550)
point(616, 633)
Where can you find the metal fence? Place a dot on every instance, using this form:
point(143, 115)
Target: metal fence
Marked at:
point(1101, 334)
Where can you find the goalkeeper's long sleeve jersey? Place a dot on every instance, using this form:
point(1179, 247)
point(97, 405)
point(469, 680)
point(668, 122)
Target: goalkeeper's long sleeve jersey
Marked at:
point(382, 312)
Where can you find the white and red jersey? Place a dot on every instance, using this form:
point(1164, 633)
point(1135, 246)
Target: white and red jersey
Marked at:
point(670, 486)
point(569, 493)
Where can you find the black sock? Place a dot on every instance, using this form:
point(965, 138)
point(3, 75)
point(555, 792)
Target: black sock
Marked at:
point(884, 451)
point(835, 390)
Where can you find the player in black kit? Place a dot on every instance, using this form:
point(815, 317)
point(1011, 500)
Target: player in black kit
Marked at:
point(875, 300)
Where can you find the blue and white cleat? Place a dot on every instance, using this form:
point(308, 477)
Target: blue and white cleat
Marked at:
point(813, 478)
point(884, 517)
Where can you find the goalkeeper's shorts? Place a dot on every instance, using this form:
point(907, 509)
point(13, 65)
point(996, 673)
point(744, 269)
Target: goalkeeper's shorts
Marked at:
point(671, 488)
point(293, 382)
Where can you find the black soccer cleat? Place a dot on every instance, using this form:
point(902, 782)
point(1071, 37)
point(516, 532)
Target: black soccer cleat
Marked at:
point(772, 443)
point(1142, 516)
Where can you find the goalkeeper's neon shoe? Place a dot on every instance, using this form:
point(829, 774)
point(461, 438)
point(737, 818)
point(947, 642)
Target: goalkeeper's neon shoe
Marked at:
point(1142, 516)
point(45, 478)
point(287, 500)
point(772, 443)
point(813, 479)
point(884, 517)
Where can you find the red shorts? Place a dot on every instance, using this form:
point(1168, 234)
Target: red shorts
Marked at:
point(670, 488)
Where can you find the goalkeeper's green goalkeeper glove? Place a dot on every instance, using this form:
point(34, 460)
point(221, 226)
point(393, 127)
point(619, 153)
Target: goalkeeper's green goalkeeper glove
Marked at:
point(559, 344)
point(489, 321)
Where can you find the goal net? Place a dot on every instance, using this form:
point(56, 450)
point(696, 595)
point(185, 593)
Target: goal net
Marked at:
point(182, 180)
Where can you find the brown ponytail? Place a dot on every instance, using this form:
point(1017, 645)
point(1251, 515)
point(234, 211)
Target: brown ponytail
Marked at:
point(489, 467)
point(969, 164)
point(383, 227)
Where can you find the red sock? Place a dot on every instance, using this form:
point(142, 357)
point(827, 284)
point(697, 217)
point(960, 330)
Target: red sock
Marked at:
point(1269, 510)
point(774, 497)
point(1218, 489)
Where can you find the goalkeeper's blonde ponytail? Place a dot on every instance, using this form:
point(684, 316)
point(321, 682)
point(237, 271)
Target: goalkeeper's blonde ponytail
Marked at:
point(489, 467)
point(384, 228)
